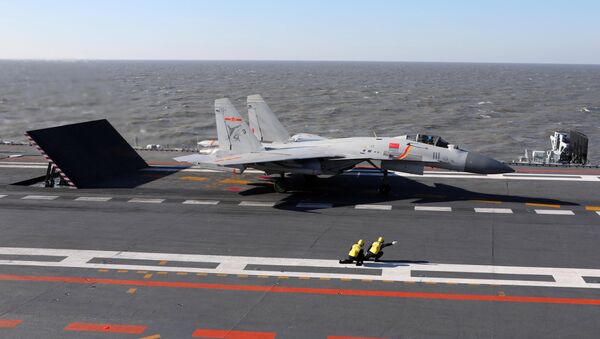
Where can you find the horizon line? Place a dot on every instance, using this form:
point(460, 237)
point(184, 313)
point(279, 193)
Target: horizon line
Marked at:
point(299, 60)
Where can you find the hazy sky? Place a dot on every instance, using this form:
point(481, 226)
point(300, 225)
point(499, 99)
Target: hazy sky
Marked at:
point(536, 31)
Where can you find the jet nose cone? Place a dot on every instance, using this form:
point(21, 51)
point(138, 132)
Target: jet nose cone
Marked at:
point(477, 163)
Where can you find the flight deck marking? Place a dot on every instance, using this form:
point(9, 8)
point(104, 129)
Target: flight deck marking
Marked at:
point(111, 328)
point(433, 208)
point(533, 204)
point(493, 210)
point(592, 208)
point(231, 334)
point(10, 323)
point(257, 203)
point(98, 199)
point(200, 202)
point(2, 196)
point(146, 201)
point(40, 197)
point(279, 289)
point(373, 207)
point(555, 212)
point(234, 265)
point(598, 212)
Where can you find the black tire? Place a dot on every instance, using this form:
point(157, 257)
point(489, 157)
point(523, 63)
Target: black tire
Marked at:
point(280, 186)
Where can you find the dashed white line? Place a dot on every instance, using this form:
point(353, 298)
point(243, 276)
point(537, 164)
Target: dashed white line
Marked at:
point(201, 202)
point(562, 277)
point(311, 205)
point(555, 212)
point(257, 203)
point(40, 197)
point(146, 201)
point(373, 207)
point(98, 199)
point(598, 212)
point(2, 196)
point(493, 210)
point(433, 208)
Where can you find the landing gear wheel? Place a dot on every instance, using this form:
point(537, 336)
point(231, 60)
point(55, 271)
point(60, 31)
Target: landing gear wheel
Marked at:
point(385, 189)
point(280, 186)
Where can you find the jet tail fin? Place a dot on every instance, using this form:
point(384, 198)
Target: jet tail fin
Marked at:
point(263, 122)
point(233, 133)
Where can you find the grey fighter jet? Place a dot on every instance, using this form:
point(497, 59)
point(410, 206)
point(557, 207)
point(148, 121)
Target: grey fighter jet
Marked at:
point(240, 147)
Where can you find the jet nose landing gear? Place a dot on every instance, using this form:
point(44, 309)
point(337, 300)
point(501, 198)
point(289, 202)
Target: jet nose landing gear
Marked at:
point(385, 187)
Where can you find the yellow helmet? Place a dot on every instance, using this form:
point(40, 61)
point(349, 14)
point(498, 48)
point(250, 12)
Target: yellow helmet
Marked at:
point(380, 239)
point(361, 242)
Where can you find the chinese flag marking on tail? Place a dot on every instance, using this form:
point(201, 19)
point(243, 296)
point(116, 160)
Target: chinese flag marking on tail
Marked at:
point(394, 145)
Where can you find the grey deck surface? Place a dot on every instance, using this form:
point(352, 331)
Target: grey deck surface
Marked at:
point(462, 236)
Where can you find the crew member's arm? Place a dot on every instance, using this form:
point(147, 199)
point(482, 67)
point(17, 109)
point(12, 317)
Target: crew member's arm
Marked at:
point(389, 244)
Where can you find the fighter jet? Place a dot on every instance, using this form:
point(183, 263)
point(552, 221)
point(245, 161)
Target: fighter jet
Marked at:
point(268, 147)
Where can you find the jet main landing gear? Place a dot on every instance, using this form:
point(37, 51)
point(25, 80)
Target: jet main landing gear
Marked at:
point(281, 185)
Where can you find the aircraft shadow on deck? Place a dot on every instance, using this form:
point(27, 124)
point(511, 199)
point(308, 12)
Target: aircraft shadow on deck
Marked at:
point(356, 190)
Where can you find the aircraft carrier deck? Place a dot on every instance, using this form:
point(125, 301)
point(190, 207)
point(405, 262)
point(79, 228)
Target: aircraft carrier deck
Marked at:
point(184, 253)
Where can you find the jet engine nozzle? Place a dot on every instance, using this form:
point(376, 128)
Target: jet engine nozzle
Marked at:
point(477, 163)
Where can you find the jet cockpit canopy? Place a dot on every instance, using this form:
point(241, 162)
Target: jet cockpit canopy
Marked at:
point(434, 140)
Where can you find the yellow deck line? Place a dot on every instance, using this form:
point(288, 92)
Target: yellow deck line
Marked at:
point(192, 178)
point(235, 181)
point(542, 205)
point(489, 201)
point(592, 208)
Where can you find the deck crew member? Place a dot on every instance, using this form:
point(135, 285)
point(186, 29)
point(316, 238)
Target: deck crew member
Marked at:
point(355, 254)
point(375, 252)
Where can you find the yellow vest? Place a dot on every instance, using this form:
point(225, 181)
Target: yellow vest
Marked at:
point(375, 247)
point(354, 250)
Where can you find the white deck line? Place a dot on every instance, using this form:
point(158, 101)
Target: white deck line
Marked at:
point(555, 212)
point(39, 197)
point(314, 205)
point(598, 212)
point(564, 277)
point(200, 202)
point(493, 210)
point(257, 203)
point(98, 199)
point(23, 166)
point(374, 207)
point(146, 201)
point(433, 208)
point(2, 196)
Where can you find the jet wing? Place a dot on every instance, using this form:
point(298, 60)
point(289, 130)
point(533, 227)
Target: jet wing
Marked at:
point(273, 156)
point(289, 154)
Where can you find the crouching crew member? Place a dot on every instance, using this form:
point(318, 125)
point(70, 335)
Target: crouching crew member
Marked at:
point(375, 252)
point(355, 254)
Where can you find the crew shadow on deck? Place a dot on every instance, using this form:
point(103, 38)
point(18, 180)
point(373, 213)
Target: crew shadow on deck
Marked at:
point(350, 190)
point(392, 263)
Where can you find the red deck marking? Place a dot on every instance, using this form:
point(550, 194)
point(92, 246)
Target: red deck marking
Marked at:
point(320, 291)
point(9, 323)
point(346, 337)
point(225, 334)
point(233, 119)
point(112, 328)
point(234, 189)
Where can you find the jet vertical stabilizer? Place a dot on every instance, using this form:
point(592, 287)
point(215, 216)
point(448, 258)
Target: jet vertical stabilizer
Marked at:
point(263, 122)
point(233, 133)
